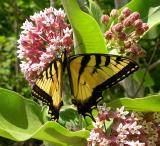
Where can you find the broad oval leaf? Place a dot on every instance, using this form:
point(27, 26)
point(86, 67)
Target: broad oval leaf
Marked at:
point(147, 104)
point(88, 35)
point(22, 119)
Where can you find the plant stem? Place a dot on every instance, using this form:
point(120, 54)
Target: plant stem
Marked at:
point(16, 26)
point(51, 3)
point(120, 3)
point(154, 65)
point(147, 69)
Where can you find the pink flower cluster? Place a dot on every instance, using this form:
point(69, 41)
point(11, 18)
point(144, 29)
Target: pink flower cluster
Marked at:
point(151, 127)
point(44, 37)
point(125, 31)
point(125, 129)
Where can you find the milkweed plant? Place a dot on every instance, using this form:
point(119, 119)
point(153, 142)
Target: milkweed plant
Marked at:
point(46, 34)
point(43, 38)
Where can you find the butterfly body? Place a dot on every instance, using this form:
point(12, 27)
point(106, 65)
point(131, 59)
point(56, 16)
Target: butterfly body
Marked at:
point(89, 75)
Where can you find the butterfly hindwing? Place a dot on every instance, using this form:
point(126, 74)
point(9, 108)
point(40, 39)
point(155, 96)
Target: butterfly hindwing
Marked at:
point(48, 87)
point(90, 74)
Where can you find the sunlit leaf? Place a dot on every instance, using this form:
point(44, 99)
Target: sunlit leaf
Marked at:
point(22, 119)
point(89, 37)
point(147, 104)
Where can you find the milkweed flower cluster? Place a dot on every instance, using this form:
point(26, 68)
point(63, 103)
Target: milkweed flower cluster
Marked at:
point(151, 127)
point(42, 39)
point(124, 31)
point(126, 129)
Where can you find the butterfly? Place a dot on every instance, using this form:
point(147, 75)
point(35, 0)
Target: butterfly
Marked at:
point(89, 75)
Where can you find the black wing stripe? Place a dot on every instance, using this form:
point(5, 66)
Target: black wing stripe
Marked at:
point(84, 63)
point(56, 69)
point(119, 63)
point(101, 68)
point(107, 61)
point(97, 65)
point(41, 93)
point(115, 63)
point(50, 71)
point(118, 59)
point(46, 72)
point(98, 61)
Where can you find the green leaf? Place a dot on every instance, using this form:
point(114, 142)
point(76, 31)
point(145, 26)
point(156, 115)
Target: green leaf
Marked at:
point(19, 118)
point(2, 39)
point(108, 125)
point(68, 113)
point(55, 133)
point(22, 119)
point(153, 33)
point(88, 35)
point(146, 104)
point(149, 10)
point(148, 81)
point(41, 4)
point(96, 12)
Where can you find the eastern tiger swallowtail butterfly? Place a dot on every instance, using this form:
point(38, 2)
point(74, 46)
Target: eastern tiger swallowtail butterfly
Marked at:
point(89, 75)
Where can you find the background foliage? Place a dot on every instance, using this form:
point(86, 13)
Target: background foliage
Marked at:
point(14, 12)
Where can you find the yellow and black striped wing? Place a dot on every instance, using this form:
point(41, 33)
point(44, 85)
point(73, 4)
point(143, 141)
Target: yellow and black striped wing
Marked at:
point(48, 88)
point(90, 74)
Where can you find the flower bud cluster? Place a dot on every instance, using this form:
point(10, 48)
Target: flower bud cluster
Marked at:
point(126, 129)
point(44, 37)
point(151, 127)
point(125, 31)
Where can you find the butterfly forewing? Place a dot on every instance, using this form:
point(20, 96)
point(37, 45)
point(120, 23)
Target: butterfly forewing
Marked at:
point(90, 74)
point(48, 87)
